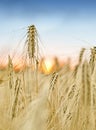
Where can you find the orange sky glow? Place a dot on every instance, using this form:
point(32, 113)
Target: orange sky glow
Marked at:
point(46, 65)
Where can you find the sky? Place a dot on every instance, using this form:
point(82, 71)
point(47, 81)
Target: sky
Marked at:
point(64, 26)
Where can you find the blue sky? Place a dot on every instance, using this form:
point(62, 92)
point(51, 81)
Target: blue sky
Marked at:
point(64, 25)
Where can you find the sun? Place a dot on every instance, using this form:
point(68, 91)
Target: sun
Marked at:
point(47, 66)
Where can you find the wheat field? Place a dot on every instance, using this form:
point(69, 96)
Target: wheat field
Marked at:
point(62, 100)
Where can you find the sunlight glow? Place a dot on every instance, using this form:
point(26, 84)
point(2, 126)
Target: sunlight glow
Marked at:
point(47, 66)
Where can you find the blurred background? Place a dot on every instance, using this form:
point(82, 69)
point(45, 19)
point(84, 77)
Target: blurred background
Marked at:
point(64, 26)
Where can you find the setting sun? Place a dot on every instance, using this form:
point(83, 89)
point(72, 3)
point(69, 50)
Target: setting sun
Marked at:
point(47, 65)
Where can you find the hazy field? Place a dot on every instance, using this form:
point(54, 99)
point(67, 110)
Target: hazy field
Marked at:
point(62, 100)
